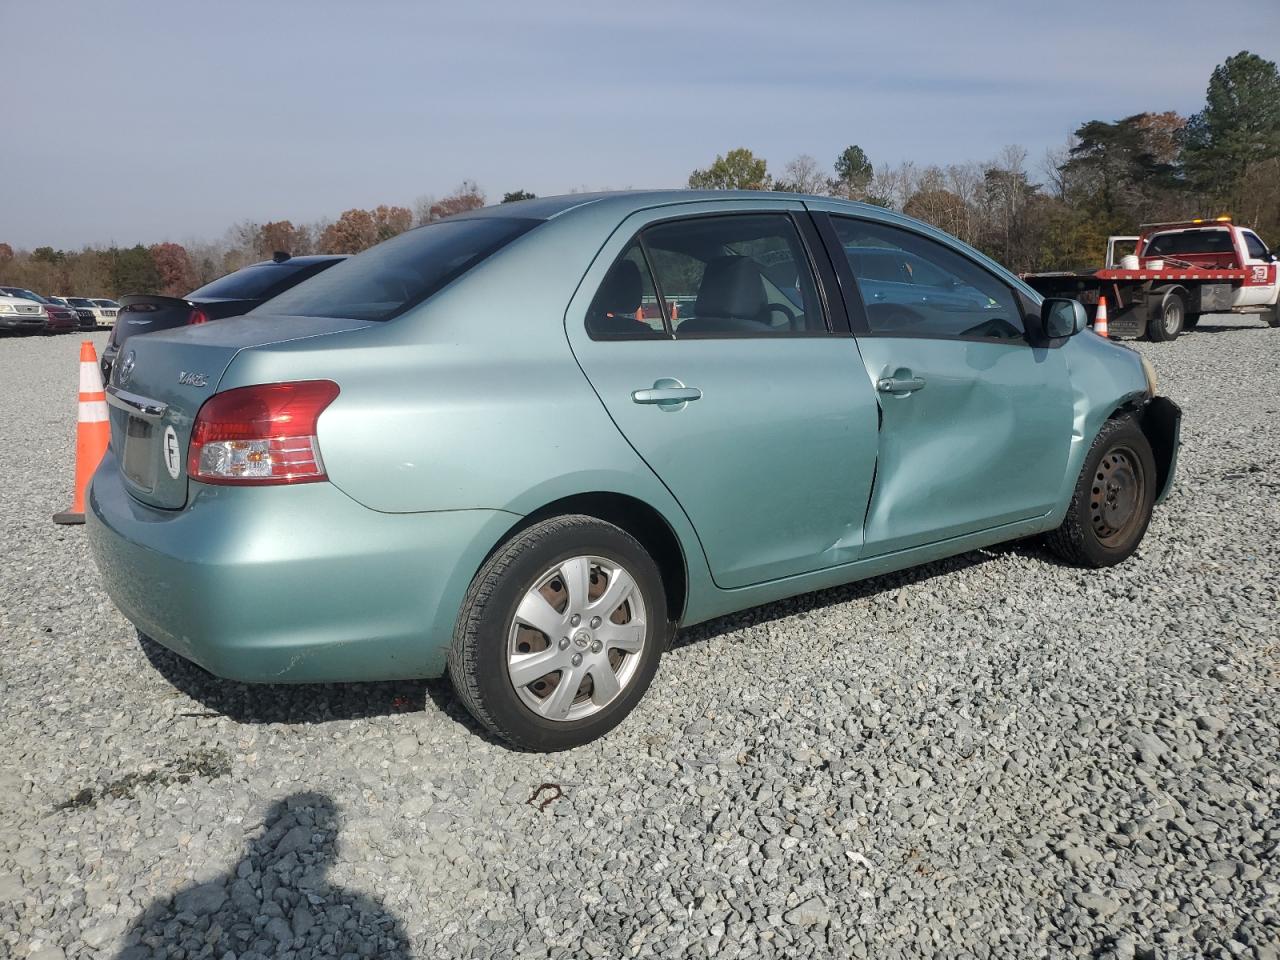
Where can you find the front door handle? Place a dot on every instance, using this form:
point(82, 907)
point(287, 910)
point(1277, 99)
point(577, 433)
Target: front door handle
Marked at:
point(900, 384)
point(667, 393)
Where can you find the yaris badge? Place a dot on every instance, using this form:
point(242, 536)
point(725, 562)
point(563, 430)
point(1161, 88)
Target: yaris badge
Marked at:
point(189, 379)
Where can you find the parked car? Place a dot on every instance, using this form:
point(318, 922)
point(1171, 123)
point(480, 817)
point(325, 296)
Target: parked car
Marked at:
point(489, 447)
point(91, 311)
point(21, 315)
point(58, 318)
point(228, 296)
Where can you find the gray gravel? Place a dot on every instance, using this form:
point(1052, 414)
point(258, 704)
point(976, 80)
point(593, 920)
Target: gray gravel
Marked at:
point(992, 756)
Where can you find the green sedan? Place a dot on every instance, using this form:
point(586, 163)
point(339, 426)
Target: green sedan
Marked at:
point(524, 445)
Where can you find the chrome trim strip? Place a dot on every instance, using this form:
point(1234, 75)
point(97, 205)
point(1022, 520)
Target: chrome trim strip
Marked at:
point(135, 405)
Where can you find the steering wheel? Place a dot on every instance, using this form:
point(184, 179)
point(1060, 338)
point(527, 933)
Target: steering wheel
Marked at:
point(793, 318)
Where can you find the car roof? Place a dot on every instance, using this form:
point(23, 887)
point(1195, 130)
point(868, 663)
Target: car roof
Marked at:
point(303, 260)
point(627, 201)
point(618, 205)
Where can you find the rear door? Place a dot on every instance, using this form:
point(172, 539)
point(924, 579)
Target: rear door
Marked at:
point(707, 337)
point(976, 422)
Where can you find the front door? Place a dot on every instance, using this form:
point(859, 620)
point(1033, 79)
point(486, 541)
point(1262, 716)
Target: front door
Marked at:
point(977, 422)
point(707, 340)
point(1260, 285)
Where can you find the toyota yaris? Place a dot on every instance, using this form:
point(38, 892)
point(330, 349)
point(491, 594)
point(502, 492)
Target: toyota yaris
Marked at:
point(523, 445)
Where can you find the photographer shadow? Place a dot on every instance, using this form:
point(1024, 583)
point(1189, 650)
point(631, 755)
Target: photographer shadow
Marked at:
point(276, 900)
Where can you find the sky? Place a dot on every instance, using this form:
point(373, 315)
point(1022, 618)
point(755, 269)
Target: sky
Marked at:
point(144, 121)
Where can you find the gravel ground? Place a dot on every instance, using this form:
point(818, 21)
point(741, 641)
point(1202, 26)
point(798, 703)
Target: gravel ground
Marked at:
point(992, 756)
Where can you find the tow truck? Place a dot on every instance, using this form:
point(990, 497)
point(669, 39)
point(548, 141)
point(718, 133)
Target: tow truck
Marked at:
point(1176, 272)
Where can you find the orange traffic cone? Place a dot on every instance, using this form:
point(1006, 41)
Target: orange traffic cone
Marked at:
point(1100, 319)
point(93, 432)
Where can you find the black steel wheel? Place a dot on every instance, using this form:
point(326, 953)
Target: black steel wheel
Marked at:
point(1111, 506)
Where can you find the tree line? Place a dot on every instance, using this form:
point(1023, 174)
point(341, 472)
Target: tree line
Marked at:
point(175, 269)
point(1108, 178)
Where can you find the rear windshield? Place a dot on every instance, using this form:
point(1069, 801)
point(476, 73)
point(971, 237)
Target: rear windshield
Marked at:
point(1190, 241)
point(251, 283)
point(388, 279)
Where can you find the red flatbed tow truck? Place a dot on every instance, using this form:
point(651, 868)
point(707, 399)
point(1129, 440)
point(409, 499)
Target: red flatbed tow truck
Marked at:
point(1177, 272)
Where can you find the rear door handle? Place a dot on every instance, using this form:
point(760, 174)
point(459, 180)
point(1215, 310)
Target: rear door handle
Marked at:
point(666, 395)
point(900, 384)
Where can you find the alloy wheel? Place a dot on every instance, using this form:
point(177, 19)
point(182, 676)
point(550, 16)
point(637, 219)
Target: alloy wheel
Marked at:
point(575, 641)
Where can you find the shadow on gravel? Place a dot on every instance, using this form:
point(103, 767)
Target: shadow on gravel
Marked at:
point(276, 901)
point(1223, 328)
point(284, 702)
point(304, 702)
point(821, 599)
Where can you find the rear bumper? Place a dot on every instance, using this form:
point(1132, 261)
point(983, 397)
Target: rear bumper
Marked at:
point(292, 584)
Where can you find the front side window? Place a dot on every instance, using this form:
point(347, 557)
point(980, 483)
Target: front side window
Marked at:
point(914, 286)
point(384, 281)
point(1256, 249)
point(734, 276)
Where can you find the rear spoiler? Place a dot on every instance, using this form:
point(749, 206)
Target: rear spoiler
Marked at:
point(147, 302)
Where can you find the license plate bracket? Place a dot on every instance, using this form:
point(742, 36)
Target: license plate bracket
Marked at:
point(139, 465)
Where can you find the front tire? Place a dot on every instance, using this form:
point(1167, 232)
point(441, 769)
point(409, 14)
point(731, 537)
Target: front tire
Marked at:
point(560, 634)
point(1113, 499)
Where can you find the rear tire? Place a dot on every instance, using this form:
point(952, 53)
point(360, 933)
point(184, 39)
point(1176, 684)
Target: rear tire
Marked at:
point(1167, 321)
point(1272, 315)
point(608, 655)
point(1113, 499)
point(1193, 321)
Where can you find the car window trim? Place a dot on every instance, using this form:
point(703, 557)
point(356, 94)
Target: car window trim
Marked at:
point(837, 254)
point(814, 272)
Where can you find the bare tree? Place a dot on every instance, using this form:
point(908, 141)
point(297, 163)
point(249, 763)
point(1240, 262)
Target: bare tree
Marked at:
point(803, 175)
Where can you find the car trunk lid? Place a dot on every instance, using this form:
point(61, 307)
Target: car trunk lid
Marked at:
point(160, 381)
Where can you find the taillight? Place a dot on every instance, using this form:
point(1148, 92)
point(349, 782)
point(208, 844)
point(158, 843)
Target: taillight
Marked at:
point(262, 434)
point(197, 316)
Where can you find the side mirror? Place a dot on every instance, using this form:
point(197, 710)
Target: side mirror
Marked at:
point(1060, 317)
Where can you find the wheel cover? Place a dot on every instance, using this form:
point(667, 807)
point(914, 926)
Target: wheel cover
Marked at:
point(1172, 315)
point(576, 639)
point(1116, 497)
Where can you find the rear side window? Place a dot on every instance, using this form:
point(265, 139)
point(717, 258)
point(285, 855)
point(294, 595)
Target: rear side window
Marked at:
point(735, 276)
point(626, 306)
point(912, 286)
point(388, 279)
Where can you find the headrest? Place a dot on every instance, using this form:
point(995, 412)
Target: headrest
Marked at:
point(621, 291)
point(731, 287)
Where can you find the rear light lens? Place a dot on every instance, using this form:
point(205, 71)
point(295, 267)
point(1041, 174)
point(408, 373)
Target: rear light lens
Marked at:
point(197, 316)
point(264, 434)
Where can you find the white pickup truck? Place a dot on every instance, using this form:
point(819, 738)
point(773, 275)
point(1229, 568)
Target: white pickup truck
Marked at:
point(1176, 272)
